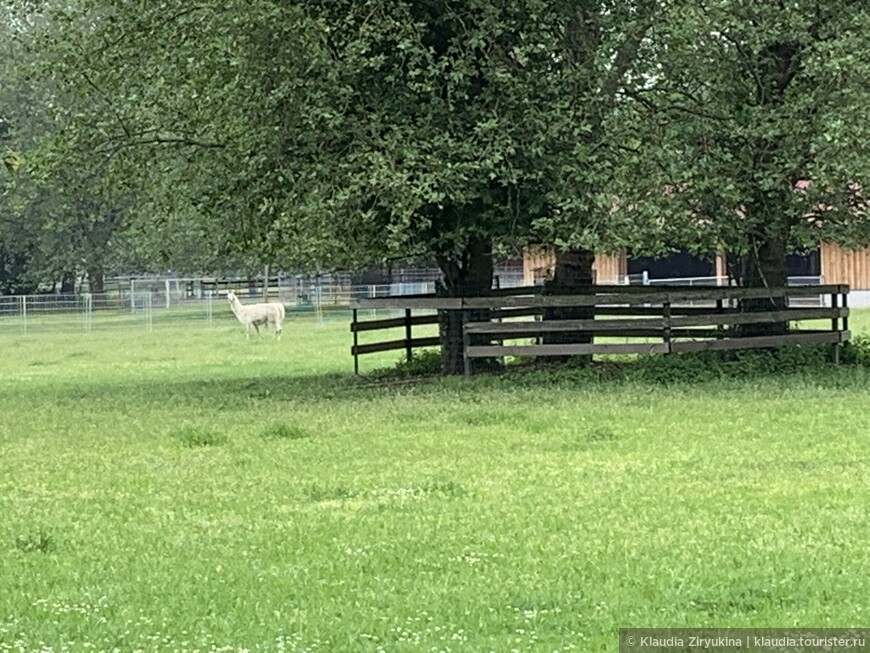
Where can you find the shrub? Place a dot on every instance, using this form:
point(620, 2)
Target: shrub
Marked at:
point(711, 366)
point(423, 363)
point(857, 351)
point(444, 488)
point(600, 434)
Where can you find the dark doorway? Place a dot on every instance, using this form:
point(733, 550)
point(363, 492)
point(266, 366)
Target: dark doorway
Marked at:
point(804, 264)
point(798, 266)
point(679, 264)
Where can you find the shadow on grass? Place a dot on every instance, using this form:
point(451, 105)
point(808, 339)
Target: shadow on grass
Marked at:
point(699, 372)
point(218, 394)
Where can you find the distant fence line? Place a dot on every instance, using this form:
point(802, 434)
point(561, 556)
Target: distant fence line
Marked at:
point(142, 310)
point(149, 302)
point(286, 285)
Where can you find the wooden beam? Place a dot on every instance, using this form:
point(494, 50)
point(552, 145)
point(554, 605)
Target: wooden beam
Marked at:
point(392, 323)
point(557, 326)
point(404, 301)
point(390, 345)
point(788, 315)
point(597, 295)
point(761, 341)
point(494, 351)
point(710, 319)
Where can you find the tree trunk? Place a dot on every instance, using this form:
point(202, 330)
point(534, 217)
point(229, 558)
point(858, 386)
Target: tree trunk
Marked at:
point(471, 276)
point(572, 276)
point(764, 267)
point(96, 280)
point(67, 283)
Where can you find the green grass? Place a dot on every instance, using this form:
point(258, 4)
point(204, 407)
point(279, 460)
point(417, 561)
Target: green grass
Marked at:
point(186, 489)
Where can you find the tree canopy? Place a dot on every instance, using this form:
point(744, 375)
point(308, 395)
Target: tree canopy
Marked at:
point(343, 132)
point(761, 119)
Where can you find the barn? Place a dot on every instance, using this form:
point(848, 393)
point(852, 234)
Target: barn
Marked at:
point(829, 264)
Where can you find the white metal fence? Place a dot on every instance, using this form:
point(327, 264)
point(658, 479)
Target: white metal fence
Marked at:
point(169, 304)
point(643, 278)
point(150, 309)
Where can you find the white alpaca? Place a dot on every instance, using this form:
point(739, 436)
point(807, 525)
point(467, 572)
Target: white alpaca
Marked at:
point(256, 315)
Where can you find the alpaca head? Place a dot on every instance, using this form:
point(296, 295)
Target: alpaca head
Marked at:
point(231, 297)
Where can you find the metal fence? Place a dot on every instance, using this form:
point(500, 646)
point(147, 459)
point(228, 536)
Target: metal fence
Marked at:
point(643, 278)
point(167, 304)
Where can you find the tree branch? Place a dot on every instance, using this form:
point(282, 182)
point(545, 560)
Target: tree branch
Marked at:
point(108, 101)
point(153, 137)
point(675, 108)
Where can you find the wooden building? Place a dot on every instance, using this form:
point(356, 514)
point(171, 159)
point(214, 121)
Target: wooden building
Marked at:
point(841, 265)
point(831, 263)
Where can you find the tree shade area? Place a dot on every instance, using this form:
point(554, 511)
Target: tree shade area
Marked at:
point(341, 134)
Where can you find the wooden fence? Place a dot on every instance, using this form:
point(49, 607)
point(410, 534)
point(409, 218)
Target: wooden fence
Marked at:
point(672, 319)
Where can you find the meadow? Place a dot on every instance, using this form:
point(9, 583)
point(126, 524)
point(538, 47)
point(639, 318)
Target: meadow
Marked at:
point(184, 489)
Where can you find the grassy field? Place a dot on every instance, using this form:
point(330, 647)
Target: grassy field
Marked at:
point(188, 490)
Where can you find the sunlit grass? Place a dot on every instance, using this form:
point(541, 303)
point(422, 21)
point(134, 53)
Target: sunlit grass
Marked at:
point(187, 489)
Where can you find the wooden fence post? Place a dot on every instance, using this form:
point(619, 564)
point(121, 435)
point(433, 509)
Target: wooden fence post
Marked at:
point(355, 344)
point(666, 332)
point(409, 353)
point(845, 317)
point(466, 341)
point(835, 327)
point(23, 313)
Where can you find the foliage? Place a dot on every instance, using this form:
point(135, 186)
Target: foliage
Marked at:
point(857, 351)
point(426, 362)
point(747, 364)
point(760, 116)
point(71, 211)
point(336, 132)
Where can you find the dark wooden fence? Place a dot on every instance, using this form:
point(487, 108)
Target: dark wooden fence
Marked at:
point(408, 342)
point(672, 319)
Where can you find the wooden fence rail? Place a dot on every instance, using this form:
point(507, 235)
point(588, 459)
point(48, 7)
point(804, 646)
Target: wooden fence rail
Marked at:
point(672, 316)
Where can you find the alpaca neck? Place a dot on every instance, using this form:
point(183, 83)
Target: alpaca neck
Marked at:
point(236, 305)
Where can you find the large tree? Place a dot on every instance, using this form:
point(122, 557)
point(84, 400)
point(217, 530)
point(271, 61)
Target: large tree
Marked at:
point(343, 132)
point(762, 108)
point(58, 215)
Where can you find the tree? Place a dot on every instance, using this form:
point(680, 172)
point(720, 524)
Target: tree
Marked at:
point(604, 48)
point(761, 110)
point(58, 220)
point(340, 133)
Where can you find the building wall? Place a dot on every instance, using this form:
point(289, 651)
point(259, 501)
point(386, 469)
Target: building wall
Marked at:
point(846, 266)
point(609, 268)
point(838, 266)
